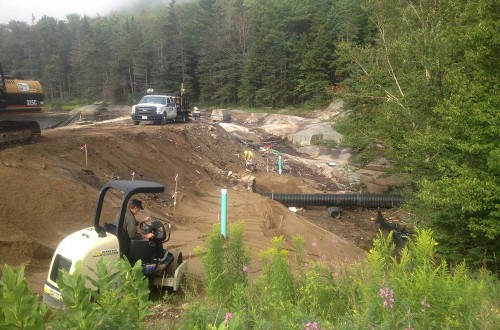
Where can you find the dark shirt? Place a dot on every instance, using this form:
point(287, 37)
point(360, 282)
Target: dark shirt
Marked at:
point(130, 224)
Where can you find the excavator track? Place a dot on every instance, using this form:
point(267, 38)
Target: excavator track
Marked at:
point(13, 132)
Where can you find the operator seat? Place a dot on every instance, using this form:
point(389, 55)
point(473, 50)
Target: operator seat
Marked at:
point(152, 248)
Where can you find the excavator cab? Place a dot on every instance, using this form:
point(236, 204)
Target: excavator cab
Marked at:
point(17, 94)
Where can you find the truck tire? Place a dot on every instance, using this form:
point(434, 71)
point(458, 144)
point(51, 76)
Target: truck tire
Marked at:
point(163, 119)
point(136, 122)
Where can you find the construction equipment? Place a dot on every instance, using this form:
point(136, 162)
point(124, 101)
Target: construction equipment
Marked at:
point(163, 268)
point(18, 94)
point(18, 132)
point(161, 108)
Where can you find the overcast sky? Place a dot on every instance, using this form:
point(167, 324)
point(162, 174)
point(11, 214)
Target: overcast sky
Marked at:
point(21, 10)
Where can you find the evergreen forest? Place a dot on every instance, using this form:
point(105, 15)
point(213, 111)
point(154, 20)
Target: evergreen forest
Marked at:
point(419, 77)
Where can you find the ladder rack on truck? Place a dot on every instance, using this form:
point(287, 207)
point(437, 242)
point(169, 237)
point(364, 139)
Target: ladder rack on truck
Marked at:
point(161, 108)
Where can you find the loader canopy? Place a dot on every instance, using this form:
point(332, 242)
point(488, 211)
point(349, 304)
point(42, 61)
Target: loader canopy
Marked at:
point(128, 188)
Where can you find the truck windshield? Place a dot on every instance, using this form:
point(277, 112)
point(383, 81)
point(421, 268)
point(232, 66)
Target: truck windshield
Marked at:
point(154, 99)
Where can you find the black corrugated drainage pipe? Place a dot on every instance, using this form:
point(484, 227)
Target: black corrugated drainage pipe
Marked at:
point(359, 200)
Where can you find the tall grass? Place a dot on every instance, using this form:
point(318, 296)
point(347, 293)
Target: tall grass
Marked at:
point(413, 291)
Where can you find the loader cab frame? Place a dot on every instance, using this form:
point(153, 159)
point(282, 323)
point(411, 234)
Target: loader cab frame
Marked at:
point(128, 188)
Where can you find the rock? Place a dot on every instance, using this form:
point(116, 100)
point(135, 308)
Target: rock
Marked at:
point(316, 133)
point(245, 183)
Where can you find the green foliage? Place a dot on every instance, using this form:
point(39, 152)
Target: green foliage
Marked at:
point(298, 242)
point(349, 22)
point(232, 322)
point(225, 263)
point(418, 291)
point(277, 276)
point(316, 286)
point(254, 53)
point(426, 89)
point(197, 316)
point(118, 300)
point(319, 140)
point(414, 291)
point(19, 307)
point(66, 105)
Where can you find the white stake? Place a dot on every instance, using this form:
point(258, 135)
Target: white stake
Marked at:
point(86, 153)
point(175, 191)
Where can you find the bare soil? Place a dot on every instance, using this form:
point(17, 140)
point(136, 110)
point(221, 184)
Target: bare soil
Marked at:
point(48, 191)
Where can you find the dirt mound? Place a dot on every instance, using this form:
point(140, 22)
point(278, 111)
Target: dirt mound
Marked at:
point(50, 189)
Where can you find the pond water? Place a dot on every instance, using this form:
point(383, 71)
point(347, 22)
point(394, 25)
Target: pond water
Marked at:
point(44, 119)
point(47, 119)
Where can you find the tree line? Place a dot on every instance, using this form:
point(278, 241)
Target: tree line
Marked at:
point(258, 53)
point(421, 78)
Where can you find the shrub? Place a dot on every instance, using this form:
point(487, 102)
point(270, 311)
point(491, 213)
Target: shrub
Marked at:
point(118, 301)
point(19, 307)
point(416, 291)
point(413, 291)
point(225, 263)
point(276, 273)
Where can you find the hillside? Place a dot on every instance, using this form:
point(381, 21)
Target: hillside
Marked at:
point(48, 192)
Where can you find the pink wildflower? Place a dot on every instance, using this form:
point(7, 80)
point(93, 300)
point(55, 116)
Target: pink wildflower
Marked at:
point(228, 318)
point(388, 296)
point(245, 269)
point(312, 326)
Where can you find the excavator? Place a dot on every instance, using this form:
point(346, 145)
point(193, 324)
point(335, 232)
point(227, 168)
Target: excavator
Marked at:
point(19, 95)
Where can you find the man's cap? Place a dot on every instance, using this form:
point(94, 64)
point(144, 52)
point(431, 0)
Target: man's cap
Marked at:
point(138, 203)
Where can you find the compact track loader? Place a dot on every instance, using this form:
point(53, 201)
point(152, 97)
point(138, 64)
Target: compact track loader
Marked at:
point(163, 268)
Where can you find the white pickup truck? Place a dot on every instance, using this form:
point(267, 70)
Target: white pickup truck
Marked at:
point(161, 108)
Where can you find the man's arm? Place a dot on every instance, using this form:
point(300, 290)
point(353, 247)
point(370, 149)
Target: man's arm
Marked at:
point(144, 236)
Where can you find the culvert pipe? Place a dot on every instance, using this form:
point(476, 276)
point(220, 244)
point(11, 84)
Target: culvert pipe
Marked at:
point(347, 200)
point(334, 211)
